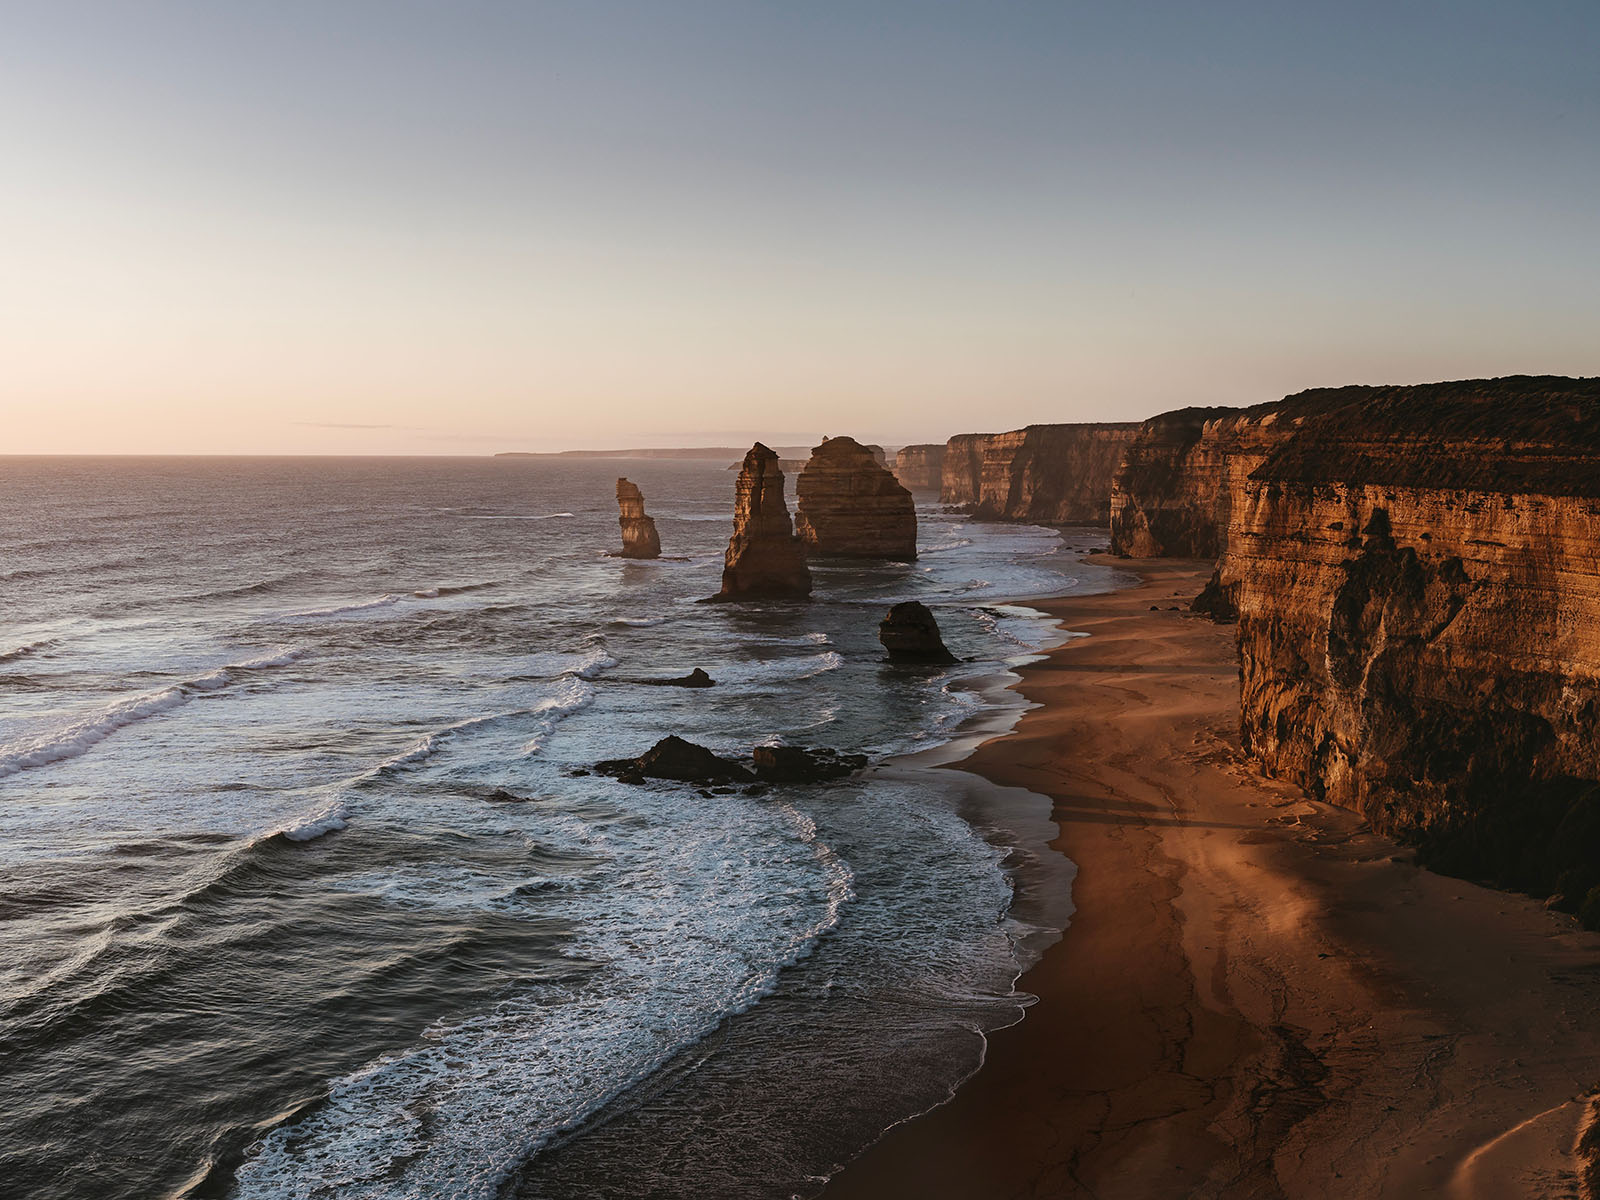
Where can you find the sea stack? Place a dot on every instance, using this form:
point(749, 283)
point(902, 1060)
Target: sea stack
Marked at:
point(910, 634)
point(764, 557)
point(851, 506)
point(639, 536)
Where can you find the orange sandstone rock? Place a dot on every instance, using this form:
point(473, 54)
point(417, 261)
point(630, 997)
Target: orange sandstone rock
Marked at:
point(764, 557)
point(853, 507)
point(639, 537)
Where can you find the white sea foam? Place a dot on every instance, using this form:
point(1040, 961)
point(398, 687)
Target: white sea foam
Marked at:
point(516, 516)
point(24, 649)
point(575, 694)
point(586, 664)
point(330, 817)
point(818, 638)
point(78, 736)
point(640, 622)
point(339, 610)
point(429, 743)
point(454, 1114)
point(452, 589)
point(81, 732)
point(781, 670)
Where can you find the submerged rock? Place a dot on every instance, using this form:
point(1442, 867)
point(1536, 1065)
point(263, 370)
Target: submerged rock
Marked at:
point(639, 536)
point(909, 633)
point(851, 506)
point(798, 764)
point(696, 678)
point(764, 557)
point(677, 759)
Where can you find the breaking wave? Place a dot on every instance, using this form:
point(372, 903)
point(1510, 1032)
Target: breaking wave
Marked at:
point(81, 734)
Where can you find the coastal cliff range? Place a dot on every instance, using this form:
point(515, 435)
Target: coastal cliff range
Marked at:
point(1047, 474)
point(1417, 578)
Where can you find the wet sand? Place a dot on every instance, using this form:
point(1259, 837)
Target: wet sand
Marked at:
point(1256, 996)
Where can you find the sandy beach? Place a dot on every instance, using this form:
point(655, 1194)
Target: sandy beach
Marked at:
point(1256, 996)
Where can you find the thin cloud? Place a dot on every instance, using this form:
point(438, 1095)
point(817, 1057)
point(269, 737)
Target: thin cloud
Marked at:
point(342, 425)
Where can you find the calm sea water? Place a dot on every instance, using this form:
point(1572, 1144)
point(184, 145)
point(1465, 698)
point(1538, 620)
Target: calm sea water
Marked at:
point(301, 897)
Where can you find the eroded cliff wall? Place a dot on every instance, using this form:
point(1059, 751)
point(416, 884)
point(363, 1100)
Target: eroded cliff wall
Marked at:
point(920, 468)
point(1173, 493)
point(1417, 577)
point(962, 468)
point(1049, 474)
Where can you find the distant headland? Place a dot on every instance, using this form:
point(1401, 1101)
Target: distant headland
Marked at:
point(732, 453)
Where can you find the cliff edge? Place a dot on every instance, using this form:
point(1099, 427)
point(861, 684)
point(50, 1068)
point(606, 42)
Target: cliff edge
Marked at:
point(1417, 576)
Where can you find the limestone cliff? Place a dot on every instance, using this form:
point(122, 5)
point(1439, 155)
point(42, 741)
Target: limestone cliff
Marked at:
point(961, 470)
point(1048, 474)
point(1417, 578)
point(850, 506)
point(764, 557)
point(920, 468)
point(1173, 494)
point(639, 536)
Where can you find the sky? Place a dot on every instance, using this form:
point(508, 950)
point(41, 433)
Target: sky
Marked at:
point(384, 226)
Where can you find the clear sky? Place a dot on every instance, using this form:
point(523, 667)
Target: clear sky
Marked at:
point(464, 226)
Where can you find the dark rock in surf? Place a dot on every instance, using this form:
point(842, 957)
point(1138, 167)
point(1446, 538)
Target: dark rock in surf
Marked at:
point(910, 634)
point(696, 678)
point(798, 764)
point(676, 759)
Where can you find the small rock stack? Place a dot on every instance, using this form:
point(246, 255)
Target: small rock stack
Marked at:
point(639, 536)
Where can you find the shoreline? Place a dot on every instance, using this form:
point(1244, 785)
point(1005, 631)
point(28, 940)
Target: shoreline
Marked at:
point(1254, 996)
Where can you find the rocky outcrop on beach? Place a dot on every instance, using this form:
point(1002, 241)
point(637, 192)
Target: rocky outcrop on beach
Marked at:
point(1046, 474)
point(850, 506)
point(764, 557)
point(910, 634)
point(639, 537)
point(1416, 572)
point(920, 468)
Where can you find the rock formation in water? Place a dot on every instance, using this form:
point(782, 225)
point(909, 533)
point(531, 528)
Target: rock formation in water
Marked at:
point(1048, 474)
point(673, 758)
point(679, 760)
point(920, 468)
point(1417, 577)
point(850, 506)
point(799, 764)
point(764, 557)
point(639, 537)
point(910, 634)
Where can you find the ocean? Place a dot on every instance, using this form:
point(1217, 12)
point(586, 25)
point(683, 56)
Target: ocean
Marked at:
point(305, 892)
